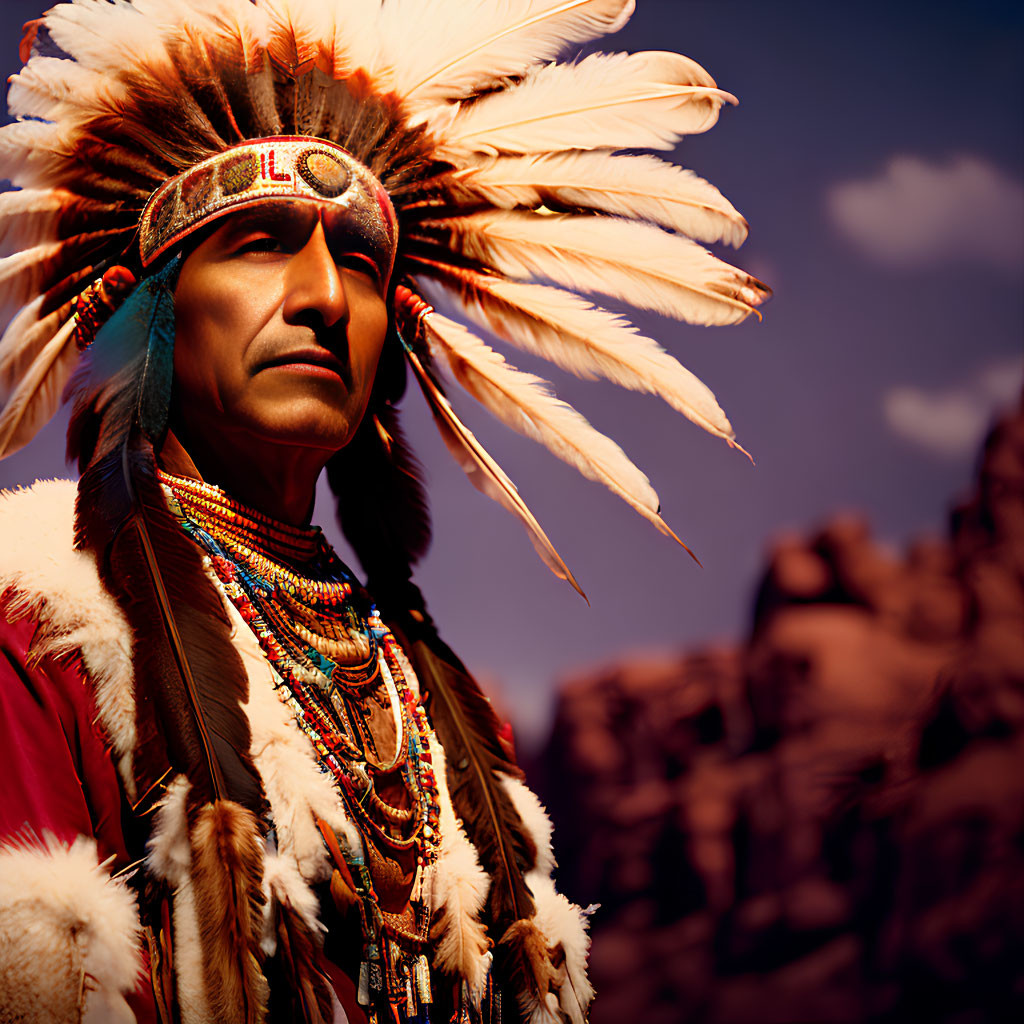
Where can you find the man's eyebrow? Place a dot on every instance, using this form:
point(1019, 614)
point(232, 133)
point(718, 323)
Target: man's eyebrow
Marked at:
point(259, 217)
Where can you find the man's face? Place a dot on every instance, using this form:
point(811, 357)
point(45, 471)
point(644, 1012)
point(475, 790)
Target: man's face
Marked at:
point(279, 330)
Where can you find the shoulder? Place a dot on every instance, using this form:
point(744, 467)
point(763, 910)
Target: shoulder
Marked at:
point(52, 596)
point(41, 574)
point(45, 579)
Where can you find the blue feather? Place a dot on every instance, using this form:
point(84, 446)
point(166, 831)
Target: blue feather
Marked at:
point(143, 324)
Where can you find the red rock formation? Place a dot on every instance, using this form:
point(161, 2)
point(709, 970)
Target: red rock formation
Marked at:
point(827, 825)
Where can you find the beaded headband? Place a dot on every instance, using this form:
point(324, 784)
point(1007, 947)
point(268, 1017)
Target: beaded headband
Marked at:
point(279, 167)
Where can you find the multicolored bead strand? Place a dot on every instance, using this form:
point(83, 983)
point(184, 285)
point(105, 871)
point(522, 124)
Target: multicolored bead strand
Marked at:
point(332, 658)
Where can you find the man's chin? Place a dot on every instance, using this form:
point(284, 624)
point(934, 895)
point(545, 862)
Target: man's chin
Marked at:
point(327, 432)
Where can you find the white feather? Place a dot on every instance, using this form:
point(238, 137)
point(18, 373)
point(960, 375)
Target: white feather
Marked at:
point(525, 403)
point(22, 273)
point(606, 101)
point(239, 22)
point(636, 263)
point(32, 153)
point(436, 57)
point(563, 925)
point(640, 187)
point(353, 35)
point(28, 217)
point(108, 37)
point(52, 88)
point(16, 355)
point(37, 395)
point(460, 887)
point(589, 342)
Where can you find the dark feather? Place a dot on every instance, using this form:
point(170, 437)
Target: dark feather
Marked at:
point(382, 504)
point(155, 315)
point(190, 682)
point(468, 729)
point(475, 752)
point(305, 989)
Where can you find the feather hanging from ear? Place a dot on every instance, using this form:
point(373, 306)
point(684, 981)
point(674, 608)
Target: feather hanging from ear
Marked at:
point(150, 566)
point(483, 472)
point(150, 310)
point(190, 688)
point(127, 373)
point(524, 403)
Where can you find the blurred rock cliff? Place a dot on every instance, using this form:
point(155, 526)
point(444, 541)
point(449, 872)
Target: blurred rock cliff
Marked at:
point(827, 824)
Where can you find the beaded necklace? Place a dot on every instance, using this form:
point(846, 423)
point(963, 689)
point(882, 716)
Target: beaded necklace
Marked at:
point(336, 667)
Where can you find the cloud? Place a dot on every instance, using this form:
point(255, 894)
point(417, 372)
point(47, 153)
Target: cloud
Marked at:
point(921, 214)
point(950, 424)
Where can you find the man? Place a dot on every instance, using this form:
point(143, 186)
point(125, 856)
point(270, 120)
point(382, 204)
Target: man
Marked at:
point(230, 768)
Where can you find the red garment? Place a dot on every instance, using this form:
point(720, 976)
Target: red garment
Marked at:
point(57, 773)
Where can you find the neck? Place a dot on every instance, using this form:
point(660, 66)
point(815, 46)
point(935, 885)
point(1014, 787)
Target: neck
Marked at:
point(280, 481)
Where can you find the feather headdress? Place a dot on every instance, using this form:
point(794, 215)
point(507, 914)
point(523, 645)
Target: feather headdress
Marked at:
point(476, 133)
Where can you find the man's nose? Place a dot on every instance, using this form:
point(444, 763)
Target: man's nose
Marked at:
point(315, 284)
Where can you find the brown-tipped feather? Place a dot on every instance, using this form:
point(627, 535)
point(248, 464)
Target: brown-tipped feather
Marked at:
point(227, 876)
point(525, 965)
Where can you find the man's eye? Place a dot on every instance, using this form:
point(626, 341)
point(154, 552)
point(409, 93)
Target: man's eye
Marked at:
point(265, 243)
point(360, 264)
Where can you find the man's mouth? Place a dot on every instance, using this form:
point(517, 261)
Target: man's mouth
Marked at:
point(312, 359)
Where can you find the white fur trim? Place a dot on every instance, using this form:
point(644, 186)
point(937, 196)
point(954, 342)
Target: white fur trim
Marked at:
point(65, 924)
point(460, 886)
point(169, 858)
point(536, 820)
point(188, 960)
point(561, 922)
point(61, 589)
point(283, 884)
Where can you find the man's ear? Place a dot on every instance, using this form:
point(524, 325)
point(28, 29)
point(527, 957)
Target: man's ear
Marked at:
point(389, 384)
